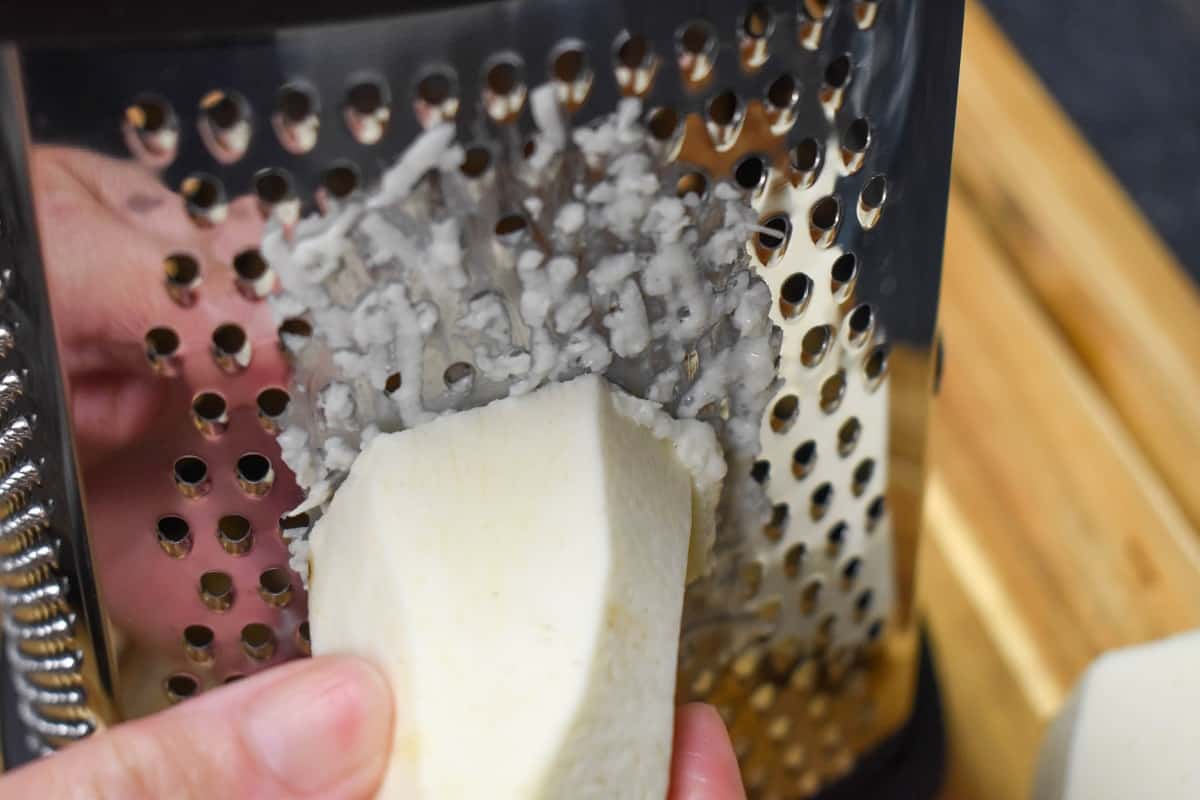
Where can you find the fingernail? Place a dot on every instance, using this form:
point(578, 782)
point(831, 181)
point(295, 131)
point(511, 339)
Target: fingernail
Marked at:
point(325, 727)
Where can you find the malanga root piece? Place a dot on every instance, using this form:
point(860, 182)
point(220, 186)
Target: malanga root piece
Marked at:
point(518, 572)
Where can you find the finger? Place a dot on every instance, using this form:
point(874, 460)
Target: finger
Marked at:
point(703, 766)
point(317, 728)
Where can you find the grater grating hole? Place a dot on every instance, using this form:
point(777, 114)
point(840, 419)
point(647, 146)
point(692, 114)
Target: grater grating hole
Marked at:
point(504, 87)
point(216, 591)
point(758, 22)
point(180, 686)
point(258, 641)
point(151, 130)
point(820, 501)
point(875, 511)
point(751, 173)
point(862, 604)
point(204, 199)
point(510, 227)
point(191, 476)
point(784, 413)
point(815, 345)
point(662, 123)
point(691, 183)
point(436, 87)
point(833, 390)
point(813, 16)
point(296, 119)
point(276, 197)
point(252, 274)
point(804, 459)
point(182, 272)
point(476, 161)
point(777, 522)
point(696, 49)
point(198, 643)
point(843, 276)
point(225, 125)
point(232, 677)
point(860, 324)
point(876, 365)
point(633, 51)
point(848, 436)
point(392, 384)
point(255, 474)
point(210, 413)
point(805, 159)
point(810, 597)
point(294, 522)
point(837, 74)
point(875, 630)
point(174, 536)
point(303, 639)
point(459, 377)
point(761, 472)
point(234, 534)
point(366, 108)
point(871, 202)
point(835, 538)
point(275, 587)
point(823, 220)
point(162, 349)
point(794, 295)
point(865, 13)
point(750, 576)
point(634, 63)
point(436, 96)
point(231, 348)
point(725, 114)
point(697, 38)
point(856, 140)
point(850, 572)
point(572, 73)
point(775, 238)
point(793, 559)
point(862, 476)
point(340, 180)
point(784, 92)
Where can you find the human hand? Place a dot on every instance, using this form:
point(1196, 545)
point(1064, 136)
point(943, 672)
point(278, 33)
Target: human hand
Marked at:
point(316, 728)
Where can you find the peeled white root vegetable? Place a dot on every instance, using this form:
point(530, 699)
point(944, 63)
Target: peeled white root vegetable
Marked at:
point(518, 572)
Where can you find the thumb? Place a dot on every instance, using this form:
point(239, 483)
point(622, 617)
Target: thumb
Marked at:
point(314, 728)
point(703, 766)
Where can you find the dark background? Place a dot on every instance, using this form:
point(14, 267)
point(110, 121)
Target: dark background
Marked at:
point(1128, 74)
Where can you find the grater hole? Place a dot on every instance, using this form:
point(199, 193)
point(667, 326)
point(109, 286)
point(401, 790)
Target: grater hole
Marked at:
point(191, 476)
point(276, 197)
point(815, 345)
point(876, 366)
point(794, 295)
point(784, 413)
point(572, 73)
point(569, 65)
point(805, 159)
point(459, 377)
point(793, 559)
point(198, 643)
point(832, 391)
point(835, 538)
point(824, 218)
point(275, 587)
point(813, 16)
point(750, 576)
point(804, 459)
point(216, 590)
point(863, 604)
point(850, 573)
point(476, 161)
point(856, 140)
point(843, 276)
point(778, 231)
point(696, 46)
point(663, 123)
point(255, 474)
point(504, 92)
point(435, 88)
point(296, 102)
point(758, 22)
point(366, 109)
point(252, 274)
point(634, 63)
point(777, 522)
point(751, 173)
point(871, 202)
point(234, 534)
point(296, 119)
point(210, 413)
point(848, 436)
point(865, 13)
point(818, 9)
point(295, 522)
point(875, 630)
point(258, 641)
point(231, 348)
point(837, 74)
point(204, 199)
point(633, 51)
point(392, 384)
point(696, 38)
point(293, 329)
point(782, 96)
point(182, 272)
point(875, 513)
point(225, 125)
point(510, 227)
point(862, 476)
point(340, 181)
point(151, 130)
point(725, 109)
point(436, 97)
point(174, 536)
point(691, 183)
point(180, 686)
point(810, 597)
point(303, 638)
point(820, 501)
point(860, 325)
point(162, 344)
point(761, 472)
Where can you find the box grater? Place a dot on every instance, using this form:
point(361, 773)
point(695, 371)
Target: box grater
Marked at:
point(144, 557)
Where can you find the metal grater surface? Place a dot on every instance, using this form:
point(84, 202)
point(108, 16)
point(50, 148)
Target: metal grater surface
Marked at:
point(830, 120)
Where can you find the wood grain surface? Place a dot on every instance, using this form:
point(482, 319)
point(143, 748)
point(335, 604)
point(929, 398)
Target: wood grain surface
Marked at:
point(1062, 503)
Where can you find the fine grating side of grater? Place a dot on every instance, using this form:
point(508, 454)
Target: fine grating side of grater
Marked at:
point(831, 118)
